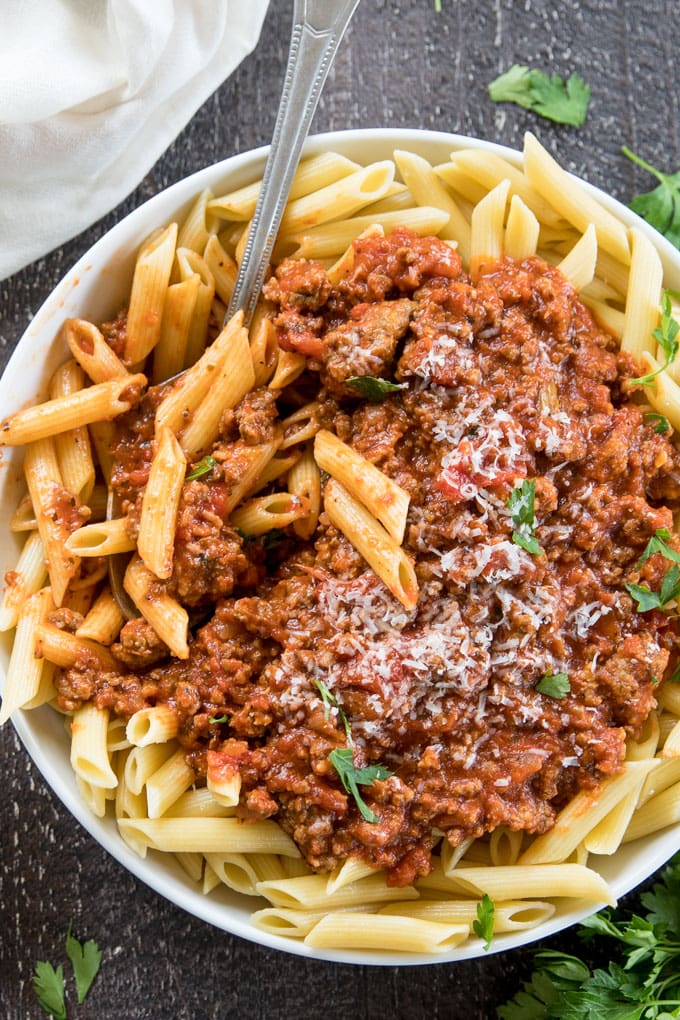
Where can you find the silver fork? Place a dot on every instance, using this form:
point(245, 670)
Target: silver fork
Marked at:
point(318, 27)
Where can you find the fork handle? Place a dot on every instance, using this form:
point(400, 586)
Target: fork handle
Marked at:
point(318, 27)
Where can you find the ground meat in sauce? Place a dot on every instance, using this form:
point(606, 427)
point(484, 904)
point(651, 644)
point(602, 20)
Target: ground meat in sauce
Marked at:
point(504, 380)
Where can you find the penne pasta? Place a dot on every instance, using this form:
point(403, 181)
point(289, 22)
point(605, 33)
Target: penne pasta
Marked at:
point(642, 303)
point(103, 620)
point(369, 538)
point(26, 666)
point(106, 538)
point(57, 514)
point(264, 513)
point(486, 235)
point(96, 403)
point(382, 497)
point(167, 617)
point(154, 725)
point(210, 835)
point(427, 190)
point(579, 264)
point(311, 175)
point(91, 351)
point(89, 751)
point(180, 403)
point(149, 286)
point(158, 519)
point(28, 576)
point(380, 931)
point(572, 201)
point(521, 231)
point(170, 353)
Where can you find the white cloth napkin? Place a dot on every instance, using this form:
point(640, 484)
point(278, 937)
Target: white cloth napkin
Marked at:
point(91, 93)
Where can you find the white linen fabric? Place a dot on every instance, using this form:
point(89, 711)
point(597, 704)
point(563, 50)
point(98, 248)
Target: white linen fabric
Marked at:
point(91, 93)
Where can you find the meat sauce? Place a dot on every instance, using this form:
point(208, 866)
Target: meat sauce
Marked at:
point(503, 381)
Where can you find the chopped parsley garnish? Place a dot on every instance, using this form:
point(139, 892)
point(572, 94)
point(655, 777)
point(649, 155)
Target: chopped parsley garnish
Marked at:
point(662, 423)
point(666, 335)
point(483, 926)
point(438, 6)
point(660, 206)
point(565, 102)
point(342, 760)
point(86, 958)
point(373, 389)
point(646, 599)
point(670, 586)
point(48, 985)
point(521, 507)
point(641, 980)
point(330, 701)
point(203, 467)
point(554, 685)
point(658, 544)
point(218, 718)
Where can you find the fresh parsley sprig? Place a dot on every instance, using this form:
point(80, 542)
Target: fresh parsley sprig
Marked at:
point(670, 586)
point(644, 985)
point(372, 388)
point(48, 985)
point(658, 543)
point(48, 981)
point(554, 685)
point(342, 760)
point(647, 600)
point(660, 206)
point(86, 958)
point(521, 507)
point(565, 102)
point(666, 336)
point(483, 926)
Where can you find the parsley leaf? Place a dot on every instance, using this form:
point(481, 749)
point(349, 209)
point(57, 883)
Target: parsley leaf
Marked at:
point(554, 685)
point(203, 467)
point(521, 507)
point(330, 701)
point(565, 102)
point(666, 335)
point(342, 760)
point(643, 986)
point(373, 389)
point(660, 206)
point(48, 985)
point(483, 926)
point(646, 599)
point(662, 423)
point(86, 960)
point(657, 544)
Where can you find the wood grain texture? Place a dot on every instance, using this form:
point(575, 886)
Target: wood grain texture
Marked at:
point(401, 64)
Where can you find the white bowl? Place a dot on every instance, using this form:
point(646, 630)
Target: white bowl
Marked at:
point(95, 289)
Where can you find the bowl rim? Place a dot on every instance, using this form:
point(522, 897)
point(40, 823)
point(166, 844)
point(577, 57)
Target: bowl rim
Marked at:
point(169, 881)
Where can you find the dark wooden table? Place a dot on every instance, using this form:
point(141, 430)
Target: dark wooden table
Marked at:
point(401, 65)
